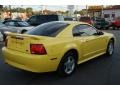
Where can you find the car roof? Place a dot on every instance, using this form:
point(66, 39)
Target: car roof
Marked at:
point(46, 15)
point(71, 22)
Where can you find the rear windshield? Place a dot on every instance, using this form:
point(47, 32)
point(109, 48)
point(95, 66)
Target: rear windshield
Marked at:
point(48, 29)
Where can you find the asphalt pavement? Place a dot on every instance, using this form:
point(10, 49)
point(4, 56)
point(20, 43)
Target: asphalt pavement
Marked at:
point(99, 71)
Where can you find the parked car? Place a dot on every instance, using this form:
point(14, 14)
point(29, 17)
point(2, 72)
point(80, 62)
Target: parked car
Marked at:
point(115, 23)
point(39, 19)
point(1, 37)
point(1, 24)
point(101, 23)
point(86, 19)
point(56, 46)
point(16, 26)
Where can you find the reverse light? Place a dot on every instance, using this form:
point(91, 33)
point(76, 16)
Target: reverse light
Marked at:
point(37, 49)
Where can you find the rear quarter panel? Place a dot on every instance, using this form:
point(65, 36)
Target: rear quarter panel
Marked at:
point(56, 48)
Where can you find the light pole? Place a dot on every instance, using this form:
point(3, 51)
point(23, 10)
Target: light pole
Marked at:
point(102, 11)
point(86, 10)
point(10, 11)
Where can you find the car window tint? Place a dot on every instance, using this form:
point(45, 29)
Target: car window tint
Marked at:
point(33, 19)
point(84, 18)
point(48, 29)
point(23, 24)
point(10, 23)
point(90, 30)
point(83, 30)
point(47, 18)
point(52, 18)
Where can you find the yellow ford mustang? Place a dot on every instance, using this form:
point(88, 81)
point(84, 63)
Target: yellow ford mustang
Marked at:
point(56, 46)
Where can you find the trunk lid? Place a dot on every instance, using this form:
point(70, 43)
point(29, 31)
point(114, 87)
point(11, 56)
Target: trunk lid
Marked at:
point(21, 42)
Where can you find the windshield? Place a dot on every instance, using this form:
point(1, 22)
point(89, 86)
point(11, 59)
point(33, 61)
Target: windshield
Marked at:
point(23, 24)
point(48, 29)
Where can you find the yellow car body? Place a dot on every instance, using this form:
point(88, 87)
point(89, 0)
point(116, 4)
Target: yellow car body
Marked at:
point(17, 52)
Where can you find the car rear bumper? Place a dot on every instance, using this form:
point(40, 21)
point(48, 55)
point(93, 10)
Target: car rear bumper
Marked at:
point(33, 63)
point(1, 37)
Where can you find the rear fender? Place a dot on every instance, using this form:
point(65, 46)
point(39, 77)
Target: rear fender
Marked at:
point(68, 48)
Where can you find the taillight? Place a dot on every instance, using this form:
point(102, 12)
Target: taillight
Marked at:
point(37, 49)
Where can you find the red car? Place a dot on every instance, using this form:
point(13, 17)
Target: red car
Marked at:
point(115, 23)
point(86, 19)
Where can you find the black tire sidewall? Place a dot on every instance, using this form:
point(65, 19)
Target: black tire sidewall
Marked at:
point(23, 31)
point(107, 52)
point(61, 70)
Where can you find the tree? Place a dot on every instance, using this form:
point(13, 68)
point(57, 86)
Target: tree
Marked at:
point(29, 11)
point(21, 10)
point(66, 13)
point(1, 6)
point(83, 12)
point(5, 9)
point(77, 12)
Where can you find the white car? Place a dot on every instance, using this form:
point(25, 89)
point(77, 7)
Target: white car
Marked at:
point(16, 26)
point(1, 37)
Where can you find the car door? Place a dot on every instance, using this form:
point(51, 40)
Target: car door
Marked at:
point(90, 43)
point(118, 23)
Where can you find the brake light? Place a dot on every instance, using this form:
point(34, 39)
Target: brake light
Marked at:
point(37, 49)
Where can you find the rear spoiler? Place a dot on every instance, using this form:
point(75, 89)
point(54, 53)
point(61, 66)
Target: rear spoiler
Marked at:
point(16, 35)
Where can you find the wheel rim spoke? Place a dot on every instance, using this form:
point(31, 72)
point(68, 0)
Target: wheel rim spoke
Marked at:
point(110, 48)
point(69, 65)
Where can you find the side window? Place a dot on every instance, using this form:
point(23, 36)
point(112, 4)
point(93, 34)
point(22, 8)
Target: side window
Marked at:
point(79, 30)
point(33, 19)
point(90, 30)
point(83, 30)
point(10, 23)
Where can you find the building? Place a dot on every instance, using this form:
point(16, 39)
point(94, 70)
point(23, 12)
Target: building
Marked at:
point(110, 12)
point(95, 11)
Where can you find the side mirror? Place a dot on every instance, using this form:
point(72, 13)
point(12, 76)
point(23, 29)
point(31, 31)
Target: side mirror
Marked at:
point(99, 33)
point(78, 34)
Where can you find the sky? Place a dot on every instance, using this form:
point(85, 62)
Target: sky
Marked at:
point(49, 7)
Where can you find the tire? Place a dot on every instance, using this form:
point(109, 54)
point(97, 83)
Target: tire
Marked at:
point(68, 64)
point(106, 28)
point(113, 27)
point(23, 31)
point(110, 48)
